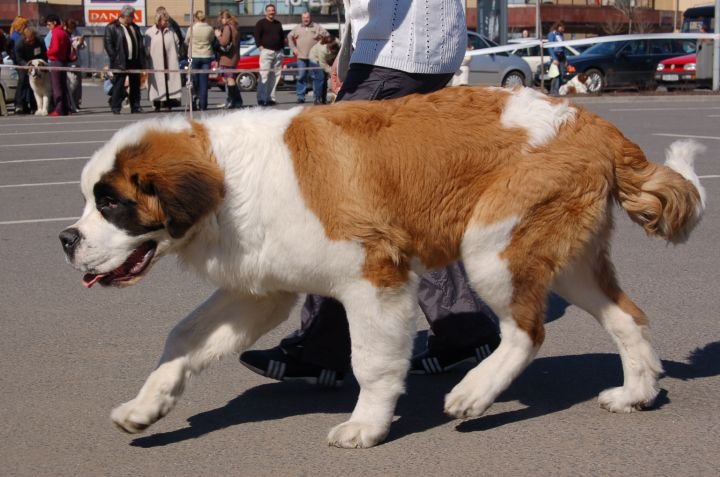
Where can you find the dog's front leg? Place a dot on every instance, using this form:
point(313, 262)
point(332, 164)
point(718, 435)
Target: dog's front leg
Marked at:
point(226, 323)
point(382, 328)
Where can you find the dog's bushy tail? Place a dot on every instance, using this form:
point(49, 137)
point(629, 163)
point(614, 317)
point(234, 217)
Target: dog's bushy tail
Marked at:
point(666, 200)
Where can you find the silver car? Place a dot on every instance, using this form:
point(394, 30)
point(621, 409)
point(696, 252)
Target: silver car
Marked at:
point(497, 69)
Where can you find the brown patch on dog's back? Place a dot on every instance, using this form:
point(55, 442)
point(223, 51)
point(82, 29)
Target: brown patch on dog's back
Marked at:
point(406, 178)
point(403, 177)
point(172, 178)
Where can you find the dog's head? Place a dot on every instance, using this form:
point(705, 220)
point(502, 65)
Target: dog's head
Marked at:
point(144, 192)
point(584, 79)
point(34, 71)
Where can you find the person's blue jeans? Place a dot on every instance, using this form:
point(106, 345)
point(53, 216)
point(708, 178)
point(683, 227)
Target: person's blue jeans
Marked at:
point(556, 82)
point(200, 81)
point(302, 77)
point(319, 84)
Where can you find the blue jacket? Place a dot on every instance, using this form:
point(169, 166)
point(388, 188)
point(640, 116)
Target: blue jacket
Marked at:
point(555, 36)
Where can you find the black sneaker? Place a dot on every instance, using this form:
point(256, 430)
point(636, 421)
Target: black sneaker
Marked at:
point(436, 362)
point(276, 363)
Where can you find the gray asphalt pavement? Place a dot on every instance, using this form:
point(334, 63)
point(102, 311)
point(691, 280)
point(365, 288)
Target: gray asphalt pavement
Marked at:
point(69, 355)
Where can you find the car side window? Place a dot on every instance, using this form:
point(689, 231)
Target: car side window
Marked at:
point(476, 42)
point(661, 47)
point(635, 47)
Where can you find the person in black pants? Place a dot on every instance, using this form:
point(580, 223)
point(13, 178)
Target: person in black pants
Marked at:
point(124, 46)
point(461, 325)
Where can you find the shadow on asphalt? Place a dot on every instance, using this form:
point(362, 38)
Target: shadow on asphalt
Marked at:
point(549, 385)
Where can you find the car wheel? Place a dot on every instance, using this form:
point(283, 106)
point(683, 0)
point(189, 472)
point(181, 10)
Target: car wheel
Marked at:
point(597, 81)
point(246, 81)
point(512, 79)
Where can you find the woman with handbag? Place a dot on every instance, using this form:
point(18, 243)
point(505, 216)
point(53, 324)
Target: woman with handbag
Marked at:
point(228, 41)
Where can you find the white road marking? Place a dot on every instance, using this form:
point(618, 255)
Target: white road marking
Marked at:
point(712, 176)
point(689, 108)
point(17, 161)
point(62, 123)
point(37, 184)
point(37, 221)
point(75, 131)
point(715, 138)
point(52, 143)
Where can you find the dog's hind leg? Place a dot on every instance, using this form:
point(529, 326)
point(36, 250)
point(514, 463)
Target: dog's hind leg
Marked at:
point(590, 284)
point(226, 323)
point(518, 299)
point(382, 328)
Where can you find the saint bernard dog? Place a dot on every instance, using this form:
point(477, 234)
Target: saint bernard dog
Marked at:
point(40, 85)
point(579, 84)
point(355, 201)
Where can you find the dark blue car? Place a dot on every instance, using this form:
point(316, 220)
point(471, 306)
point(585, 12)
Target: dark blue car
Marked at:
point(626, 63)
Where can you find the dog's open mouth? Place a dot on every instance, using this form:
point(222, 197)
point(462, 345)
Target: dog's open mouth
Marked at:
point(134, 267)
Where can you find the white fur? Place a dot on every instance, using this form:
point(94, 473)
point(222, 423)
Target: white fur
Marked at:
point(577, 86)
point(540, 118)
point(40, 85)
point(680, 157)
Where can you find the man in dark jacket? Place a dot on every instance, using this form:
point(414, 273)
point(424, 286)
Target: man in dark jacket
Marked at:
point(125, 49)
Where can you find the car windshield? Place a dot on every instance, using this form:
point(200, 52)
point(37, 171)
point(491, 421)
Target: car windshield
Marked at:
point(607, 48)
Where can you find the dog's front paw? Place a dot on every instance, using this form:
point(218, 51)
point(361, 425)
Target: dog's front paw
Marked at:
point(356, 435)
point(466, 401)
point(133, 418)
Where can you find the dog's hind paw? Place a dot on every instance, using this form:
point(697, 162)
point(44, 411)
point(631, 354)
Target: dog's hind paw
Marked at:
point(356, 435)
point(622, 400)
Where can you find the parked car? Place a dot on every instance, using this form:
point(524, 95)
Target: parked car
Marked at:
point(251, 61)
point(679, 73)
point(497, 69)
point(531, 53)
point(8, 81)
point(625, 63)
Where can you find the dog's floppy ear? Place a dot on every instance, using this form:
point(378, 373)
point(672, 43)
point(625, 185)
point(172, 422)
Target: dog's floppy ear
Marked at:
point(187, 193)
point(175, 177)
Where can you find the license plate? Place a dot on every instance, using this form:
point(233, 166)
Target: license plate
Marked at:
point(671, 78)
point(289, 77)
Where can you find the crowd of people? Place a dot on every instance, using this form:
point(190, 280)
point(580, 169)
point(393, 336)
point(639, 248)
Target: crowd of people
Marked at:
point(58, 48)
point(165, 49)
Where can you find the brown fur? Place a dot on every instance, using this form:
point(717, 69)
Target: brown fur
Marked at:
point(179, 186)
point(408, 177)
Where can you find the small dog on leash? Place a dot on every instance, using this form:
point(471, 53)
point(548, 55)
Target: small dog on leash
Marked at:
point(579, 84)
point(40, 84)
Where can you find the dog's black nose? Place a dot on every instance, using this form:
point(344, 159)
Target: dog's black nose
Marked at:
point(69, 239)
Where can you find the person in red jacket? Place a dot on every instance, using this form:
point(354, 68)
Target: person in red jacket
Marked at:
point(58, 55)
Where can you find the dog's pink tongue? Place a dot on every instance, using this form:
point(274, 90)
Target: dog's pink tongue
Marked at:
point(89, 279)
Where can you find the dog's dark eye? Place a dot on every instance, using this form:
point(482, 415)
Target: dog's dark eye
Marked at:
point(107, 203)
